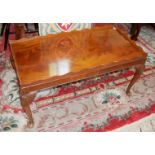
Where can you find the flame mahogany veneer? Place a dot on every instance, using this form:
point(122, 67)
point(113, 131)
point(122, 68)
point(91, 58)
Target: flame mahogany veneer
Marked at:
point(46, 61)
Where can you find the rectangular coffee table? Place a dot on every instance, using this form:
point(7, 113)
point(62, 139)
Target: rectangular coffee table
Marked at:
point(47, 61)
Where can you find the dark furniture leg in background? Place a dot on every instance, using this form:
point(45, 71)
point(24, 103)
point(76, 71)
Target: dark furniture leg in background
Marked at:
point(3, 27)
point(7, 32)
point(135, 30)
point(36, 26)
point(19, 31)
point(6, 27)
point(26, 25)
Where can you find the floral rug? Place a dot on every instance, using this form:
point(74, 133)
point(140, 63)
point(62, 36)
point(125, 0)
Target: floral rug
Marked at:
point(96, 104)
point(147, 124)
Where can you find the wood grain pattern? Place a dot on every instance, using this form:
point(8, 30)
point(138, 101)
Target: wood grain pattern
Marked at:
point(42, 58)
point(43, 62)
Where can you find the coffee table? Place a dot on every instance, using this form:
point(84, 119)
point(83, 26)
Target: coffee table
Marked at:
point(46, 61)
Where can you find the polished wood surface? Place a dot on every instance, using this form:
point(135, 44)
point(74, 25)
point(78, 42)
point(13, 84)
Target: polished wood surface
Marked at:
point(46, 61)
point(42, 58)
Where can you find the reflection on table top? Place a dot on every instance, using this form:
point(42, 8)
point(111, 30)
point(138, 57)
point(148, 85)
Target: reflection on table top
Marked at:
point(41, 58)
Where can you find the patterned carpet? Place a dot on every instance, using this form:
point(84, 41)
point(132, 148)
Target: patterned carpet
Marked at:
point(97, 104)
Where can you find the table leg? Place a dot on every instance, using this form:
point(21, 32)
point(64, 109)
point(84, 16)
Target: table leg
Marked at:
point(139, 70)
point(19, 30)
point(25, 102)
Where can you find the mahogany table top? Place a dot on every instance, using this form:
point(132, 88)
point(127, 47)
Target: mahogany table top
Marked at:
point(51, 57)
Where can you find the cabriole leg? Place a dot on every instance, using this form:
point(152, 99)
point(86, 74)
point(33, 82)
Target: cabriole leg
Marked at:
point(139, 71)
point(26, 100)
